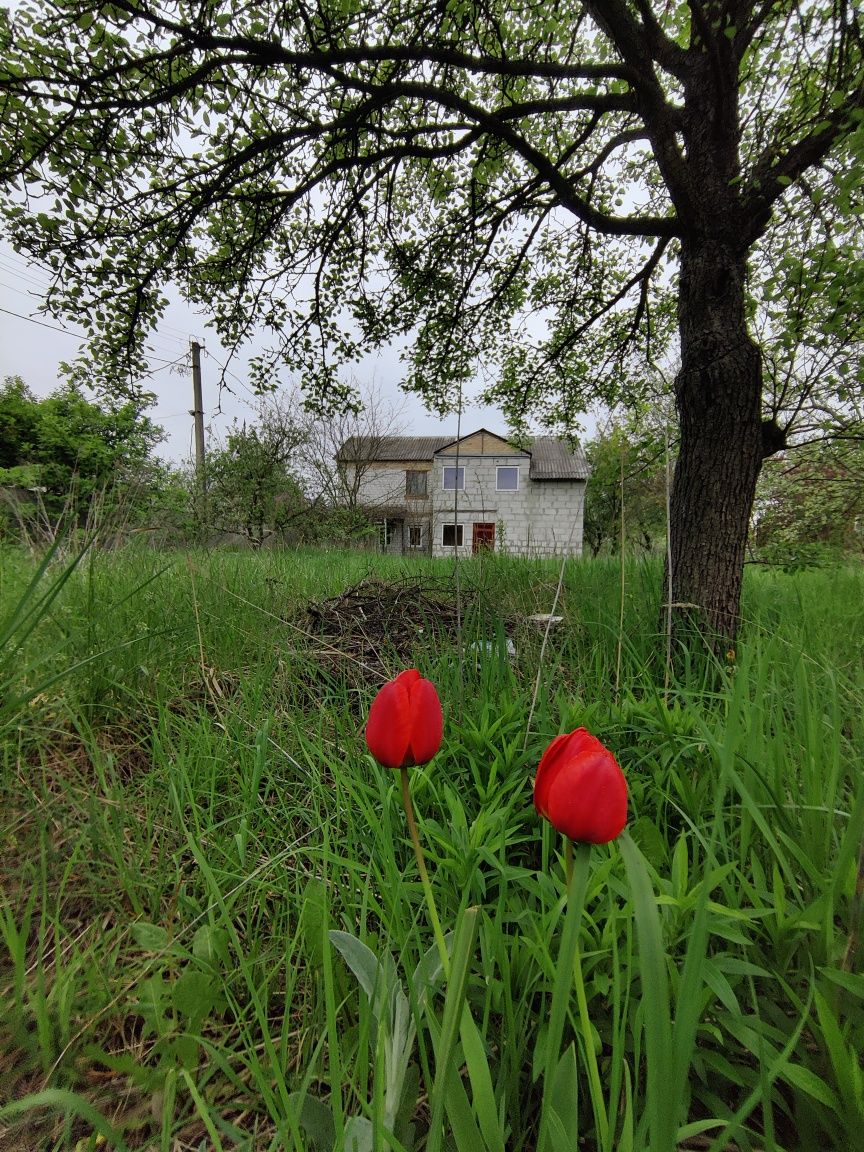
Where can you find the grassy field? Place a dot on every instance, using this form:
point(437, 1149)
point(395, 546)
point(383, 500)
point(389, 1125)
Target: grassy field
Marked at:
point(212, 930)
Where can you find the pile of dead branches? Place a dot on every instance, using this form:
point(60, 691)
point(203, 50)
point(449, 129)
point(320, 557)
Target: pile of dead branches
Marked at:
point(380, 625)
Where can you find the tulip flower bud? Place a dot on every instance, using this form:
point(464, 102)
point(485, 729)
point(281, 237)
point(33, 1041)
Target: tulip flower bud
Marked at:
point(580, 788)
point(405, 722)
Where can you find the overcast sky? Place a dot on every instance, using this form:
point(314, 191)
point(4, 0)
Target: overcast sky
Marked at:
point(33, 346)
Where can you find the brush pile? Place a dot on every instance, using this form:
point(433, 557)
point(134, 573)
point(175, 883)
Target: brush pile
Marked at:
point(382, 624)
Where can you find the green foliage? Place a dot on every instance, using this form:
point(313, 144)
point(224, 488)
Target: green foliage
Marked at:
point(251, 483)
point(628, 463)
point(198, 853)
point(810, 504)
point(341, 220)
point(68, 448)
point(553, 196)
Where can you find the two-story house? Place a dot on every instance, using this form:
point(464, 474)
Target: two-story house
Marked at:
point(437, 495)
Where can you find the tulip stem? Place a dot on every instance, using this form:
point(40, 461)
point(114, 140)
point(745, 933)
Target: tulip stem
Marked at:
point(578, 866)
point(424, 875)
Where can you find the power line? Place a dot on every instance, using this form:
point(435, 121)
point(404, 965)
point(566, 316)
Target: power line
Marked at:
point(165, 364)
point(20, 291)
point(228, 372)
point(80, 336)
point(42, 324)
point(13, 258)
point(10, 270)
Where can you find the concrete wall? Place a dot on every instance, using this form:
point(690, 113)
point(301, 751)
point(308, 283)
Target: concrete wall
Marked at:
point(383, 484)
point(540, 518)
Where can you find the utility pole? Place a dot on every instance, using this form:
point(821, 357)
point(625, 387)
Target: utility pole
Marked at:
point(198, 414)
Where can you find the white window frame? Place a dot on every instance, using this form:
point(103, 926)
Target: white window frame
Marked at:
point(509, 468)
point(418, 528)
point(460, 535)
point(460, 474)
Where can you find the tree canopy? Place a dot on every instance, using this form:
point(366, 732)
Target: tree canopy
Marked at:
point(64, 441)
point(541, 190)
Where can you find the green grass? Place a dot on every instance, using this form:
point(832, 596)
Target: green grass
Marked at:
point(188, 811)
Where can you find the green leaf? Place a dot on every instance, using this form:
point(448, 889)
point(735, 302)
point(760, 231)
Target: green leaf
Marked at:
point(448, 1091)
point(67, 1104)
point(375, 978)
point(150, 937)
point(210, 945)
point(312, 917)
point(563, 984)
point(316, 1119)
point(359, 1134)
point(564, 1103)
point(194, 995)
point(482, 1092)
point(662, 1112)
point(807, 1080)
point(153, 999)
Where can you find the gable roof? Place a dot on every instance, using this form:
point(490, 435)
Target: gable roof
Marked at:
point(551, 459)
point(490, 444)
point(391, 448)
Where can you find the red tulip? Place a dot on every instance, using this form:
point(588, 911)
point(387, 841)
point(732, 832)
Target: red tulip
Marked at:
point(405, 722)
point(580, 788)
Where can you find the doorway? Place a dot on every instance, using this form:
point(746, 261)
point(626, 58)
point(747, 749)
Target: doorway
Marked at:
point(483, 538)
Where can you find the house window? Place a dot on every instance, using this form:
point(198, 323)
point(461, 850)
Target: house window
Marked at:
point(507, 478)
point(386, 530)
point(454, 479)
point(415, 484)
point(451, 535)
point(415, 533)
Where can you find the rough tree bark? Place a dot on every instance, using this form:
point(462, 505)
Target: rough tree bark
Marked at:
point(718, 394)
point(718, 390)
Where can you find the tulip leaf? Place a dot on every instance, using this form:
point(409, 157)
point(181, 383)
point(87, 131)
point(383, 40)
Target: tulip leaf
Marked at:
point(375, 977)
point(662, 1112)
point(391, 1010)
point(563, 984)
point(482, 1092)
point(312, 916)
point(564, 1103)
point(316, 1119)
point(428, 970)
point(359, 1134)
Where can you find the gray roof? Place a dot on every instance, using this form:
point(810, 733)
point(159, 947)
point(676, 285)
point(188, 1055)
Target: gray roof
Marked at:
point(408, 448)
point(551, 459)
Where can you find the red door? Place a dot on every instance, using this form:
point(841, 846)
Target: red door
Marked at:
point(484, 537)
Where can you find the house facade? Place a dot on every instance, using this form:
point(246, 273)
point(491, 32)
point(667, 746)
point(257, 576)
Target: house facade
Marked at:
point(437, 495)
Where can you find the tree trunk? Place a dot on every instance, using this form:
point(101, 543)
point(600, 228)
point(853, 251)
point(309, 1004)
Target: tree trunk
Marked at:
point(718, 393)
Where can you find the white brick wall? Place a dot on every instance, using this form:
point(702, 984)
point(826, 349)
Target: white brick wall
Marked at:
point(382, 484)
point(541, 518)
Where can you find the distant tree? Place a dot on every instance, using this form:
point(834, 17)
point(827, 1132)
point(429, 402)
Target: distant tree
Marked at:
point(253, 484)
point(628, 463)
point(810, 504)
point(19, 422)
point(66, 444)
point(338, 451)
